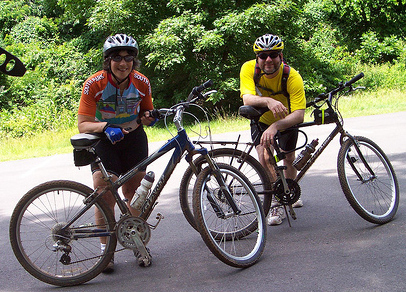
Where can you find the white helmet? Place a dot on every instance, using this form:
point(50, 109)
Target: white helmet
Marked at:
point(120, 42)
point(268, 42)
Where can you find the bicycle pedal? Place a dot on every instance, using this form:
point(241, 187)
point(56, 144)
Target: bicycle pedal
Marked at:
point(158, 217)
point(292, 212)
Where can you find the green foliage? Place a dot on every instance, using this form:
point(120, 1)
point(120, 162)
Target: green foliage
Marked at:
point(39, 117)
point(185, 42)
point(12, 13)
point(383, 76)
point(188, 49)
point(374, 51)
point(34, 29)
point(354, 18)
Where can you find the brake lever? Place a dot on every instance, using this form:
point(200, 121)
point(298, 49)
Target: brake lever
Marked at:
point(354, 89)
point(209, 93)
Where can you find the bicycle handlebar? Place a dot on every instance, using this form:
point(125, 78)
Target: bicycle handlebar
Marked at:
point(194, 95)
point(196, 91)
point(199, 89)
point(354, 79)
point(341, 86)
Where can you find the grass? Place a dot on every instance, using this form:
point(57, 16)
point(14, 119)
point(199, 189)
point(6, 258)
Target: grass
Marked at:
point(50, 143)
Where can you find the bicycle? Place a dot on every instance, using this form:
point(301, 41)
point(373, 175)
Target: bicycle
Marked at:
point(52, 229)
point(365, 173)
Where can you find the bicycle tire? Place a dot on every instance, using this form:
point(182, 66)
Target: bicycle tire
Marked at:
point(237, 240)
point(376, 199)
point(244, 162)
point(34, 232)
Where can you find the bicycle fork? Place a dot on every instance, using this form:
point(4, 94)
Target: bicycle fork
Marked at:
point(224, 189)
point(352, 160)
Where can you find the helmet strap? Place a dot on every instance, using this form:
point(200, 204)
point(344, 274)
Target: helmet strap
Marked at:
point(118, 80)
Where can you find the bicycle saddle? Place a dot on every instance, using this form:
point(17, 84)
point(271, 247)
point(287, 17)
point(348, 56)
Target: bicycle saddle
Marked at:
point(86, 140)
point(251, 112)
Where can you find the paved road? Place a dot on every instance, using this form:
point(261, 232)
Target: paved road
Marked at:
point(329, 247)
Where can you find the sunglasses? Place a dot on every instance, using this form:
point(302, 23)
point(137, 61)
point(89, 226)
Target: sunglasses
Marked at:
point(127, 58)
point(264, 56)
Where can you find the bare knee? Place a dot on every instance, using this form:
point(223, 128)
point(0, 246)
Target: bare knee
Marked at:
point(130, 186)
point(100, 183)
point(290, 157)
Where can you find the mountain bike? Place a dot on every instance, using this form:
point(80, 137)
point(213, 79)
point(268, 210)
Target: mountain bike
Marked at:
point(53, 232)
point(366, 175)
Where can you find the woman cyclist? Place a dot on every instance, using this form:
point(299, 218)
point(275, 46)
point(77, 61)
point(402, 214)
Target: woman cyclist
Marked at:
point(114, 101)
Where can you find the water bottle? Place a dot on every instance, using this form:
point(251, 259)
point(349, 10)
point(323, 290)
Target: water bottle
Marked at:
point(305, 155)
point(142, 191)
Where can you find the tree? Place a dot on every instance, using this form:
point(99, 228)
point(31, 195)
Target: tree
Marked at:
point(384, 17)
point(188, 49)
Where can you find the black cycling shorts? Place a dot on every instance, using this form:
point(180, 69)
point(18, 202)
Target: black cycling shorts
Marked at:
point(287, 140)
point(124, 155)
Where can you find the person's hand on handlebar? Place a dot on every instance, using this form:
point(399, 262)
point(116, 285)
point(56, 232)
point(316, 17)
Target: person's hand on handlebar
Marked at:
point(147, 119)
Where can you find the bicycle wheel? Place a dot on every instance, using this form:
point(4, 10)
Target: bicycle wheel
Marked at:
point(374, 196)
point(49, 253)
point(244, 162)
point(237, 240)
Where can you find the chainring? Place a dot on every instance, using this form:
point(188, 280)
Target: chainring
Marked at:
point(127, 225)
point(287, 199)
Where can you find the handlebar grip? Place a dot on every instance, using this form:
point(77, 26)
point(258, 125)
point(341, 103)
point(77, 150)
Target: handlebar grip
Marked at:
point(155, 114)
point(202, 87)
point(152, 113)
point(354, 79)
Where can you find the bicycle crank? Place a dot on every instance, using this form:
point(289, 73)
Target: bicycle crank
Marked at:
point(289, 196)
point(128, 227)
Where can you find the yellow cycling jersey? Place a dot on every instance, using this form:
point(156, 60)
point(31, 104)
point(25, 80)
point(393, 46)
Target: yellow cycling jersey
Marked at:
point(294, 86)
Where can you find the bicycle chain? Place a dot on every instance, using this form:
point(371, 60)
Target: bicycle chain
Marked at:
point(287, 199)
point(127, 225)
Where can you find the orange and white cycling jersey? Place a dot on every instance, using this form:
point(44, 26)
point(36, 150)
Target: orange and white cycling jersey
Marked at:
point(101, 98)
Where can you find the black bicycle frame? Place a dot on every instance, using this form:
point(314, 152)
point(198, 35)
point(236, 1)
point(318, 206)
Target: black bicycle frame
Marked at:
point(323, 146)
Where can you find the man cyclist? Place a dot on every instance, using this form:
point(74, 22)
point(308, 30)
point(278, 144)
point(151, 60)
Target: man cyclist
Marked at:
point(283, 113)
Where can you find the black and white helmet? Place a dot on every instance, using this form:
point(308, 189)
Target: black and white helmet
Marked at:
point(120, 42)
point(268, 42)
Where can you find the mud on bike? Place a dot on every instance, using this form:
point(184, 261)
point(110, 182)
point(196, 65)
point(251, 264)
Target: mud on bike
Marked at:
point(366, 175)
point(53, 232)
